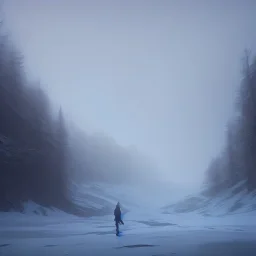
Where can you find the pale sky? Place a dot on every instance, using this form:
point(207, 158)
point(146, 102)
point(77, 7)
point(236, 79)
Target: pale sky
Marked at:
point(161, 75)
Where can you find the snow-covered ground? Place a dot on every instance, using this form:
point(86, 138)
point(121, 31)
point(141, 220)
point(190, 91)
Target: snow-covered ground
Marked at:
point(147, 231)
point(235, 200)
point(144, 233)
point(99, 196)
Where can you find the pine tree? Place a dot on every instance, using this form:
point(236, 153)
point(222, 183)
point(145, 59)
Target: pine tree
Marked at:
point(248, 120)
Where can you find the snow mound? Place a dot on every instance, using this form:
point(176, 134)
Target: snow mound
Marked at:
point(98, 198)
point(104, 196)
point(32, 208)
point(232, 201)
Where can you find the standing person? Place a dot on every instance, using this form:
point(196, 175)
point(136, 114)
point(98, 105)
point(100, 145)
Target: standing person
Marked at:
point(118, 219)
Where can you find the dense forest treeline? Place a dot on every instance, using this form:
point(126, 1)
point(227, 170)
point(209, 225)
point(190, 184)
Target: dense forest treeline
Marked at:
point(33, 143)
point(237, 161)
point(41, 154)
point(97, 157)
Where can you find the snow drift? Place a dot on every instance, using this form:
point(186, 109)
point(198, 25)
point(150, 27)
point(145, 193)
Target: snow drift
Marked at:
point(231, 201)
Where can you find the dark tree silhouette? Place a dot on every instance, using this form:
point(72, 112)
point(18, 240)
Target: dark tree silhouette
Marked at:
point(239, 154)
point(40, 154)
point(32, 143)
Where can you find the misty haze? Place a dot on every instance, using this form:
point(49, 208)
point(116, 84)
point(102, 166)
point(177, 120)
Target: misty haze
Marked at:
point(127, 127)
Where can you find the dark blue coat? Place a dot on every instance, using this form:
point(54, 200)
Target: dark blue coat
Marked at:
point(117, 214)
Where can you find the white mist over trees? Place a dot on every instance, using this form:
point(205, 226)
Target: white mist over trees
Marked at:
point(41, 155)
point(237, 162)
point(32, 150)
point(98, 157)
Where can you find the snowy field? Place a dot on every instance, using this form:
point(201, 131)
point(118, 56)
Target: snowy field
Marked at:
point(149, 234)
point(147, 231)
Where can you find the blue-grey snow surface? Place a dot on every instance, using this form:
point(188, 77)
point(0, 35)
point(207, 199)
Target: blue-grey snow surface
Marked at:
point(144, 233)
point(235, 200)
point(147, 231)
